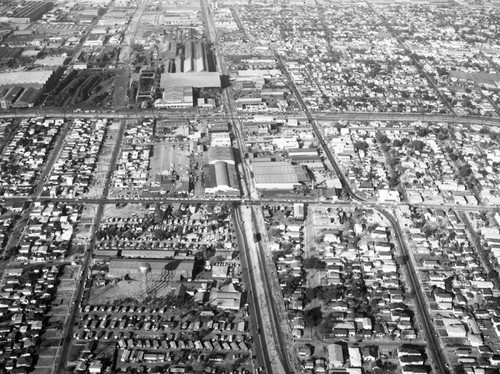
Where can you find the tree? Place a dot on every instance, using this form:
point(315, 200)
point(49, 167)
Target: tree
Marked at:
point(417, 145)
point(361, 145)
point(465, 171)
point(313, 317)
point(382, 138)
point(394, 181)
point(314, 263)
point(310, 294)
point(485, 130)
point(422, 132)
point(327, 324)
point(397, 143)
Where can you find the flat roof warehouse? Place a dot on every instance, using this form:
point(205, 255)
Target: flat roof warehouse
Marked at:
point(25, 77)
point(199, 80)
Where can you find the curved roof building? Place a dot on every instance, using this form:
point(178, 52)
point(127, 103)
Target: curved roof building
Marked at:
point(220, 177)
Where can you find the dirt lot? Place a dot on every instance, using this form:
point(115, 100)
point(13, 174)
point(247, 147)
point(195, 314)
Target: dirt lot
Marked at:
point(128, 210)
point(122, 290)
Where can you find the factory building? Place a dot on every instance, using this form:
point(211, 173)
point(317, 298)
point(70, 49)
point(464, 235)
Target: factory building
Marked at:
point(270, 175)
point(220, 177)
point(188, 57)
point(220, 172)
point(178, 88)
point(32, 11)
point(176, 97)
point(38, 77)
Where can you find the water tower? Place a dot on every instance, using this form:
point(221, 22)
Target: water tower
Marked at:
point(145, 273)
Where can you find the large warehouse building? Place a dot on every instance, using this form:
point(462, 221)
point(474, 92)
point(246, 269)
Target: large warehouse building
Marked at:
point(202, 79)
point(225, 154)
point(270, 175)
point(29, 12)
point(220, 172)
point(38, 77)
point(220, 177)
point(178, 88)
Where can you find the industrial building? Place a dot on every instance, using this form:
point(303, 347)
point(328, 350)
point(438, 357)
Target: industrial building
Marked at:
point(220, 172)
point(220, 139)
point(94, 40)
point(32, 11)
point(38, 77)
point(270, 175)
point(257, 75)
point(225, 154)
point(170, 50)
point(226, 298)
point(220, 177)
point(178, 88)
point(312, 162)
point(188, 57)
point(146, 85)
point(169, 168)
point(27, 99)
point(194, 79)
point(176, 97)
point(10, 97)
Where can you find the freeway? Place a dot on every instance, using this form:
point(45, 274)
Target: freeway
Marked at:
point(432, 338)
